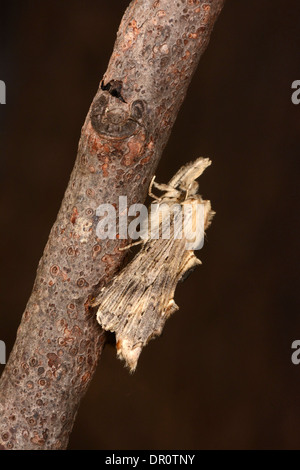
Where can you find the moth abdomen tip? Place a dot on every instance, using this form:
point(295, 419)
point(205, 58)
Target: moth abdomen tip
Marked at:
point(130, 354)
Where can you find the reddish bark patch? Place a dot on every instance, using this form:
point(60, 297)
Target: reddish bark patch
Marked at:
point(53, 360)
point(85, 377)
point(104, 170)
point(74, 215)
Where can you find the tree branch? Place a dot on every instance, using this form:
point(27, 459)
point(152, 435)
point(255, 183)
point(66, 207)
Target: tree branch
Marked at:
point(58, 343)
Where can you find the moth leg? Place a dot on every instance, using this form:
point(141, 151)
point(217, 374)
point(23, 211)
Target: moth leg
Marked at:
point(130, 245)
point(150, 193)
point(170, 192)
point(187, 191)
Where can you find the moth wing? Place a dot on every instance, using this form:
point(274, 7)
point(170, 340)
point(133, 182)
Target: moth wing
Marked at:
point(137, 303)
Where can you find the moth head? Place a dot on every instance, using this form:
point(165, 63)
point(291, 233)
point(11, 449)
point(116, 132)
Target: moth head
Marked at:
point(187, 175)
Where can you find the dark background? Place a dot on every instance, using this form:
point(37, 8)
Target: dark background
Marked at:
point(221, 376)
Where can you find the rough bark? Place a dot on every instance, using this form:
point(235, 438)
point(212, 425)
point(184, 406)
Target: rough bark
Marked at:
point(58, 343)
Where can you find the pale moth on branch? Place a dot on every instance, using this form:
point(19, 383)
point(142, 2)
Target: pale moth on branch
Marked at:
point(137, 302)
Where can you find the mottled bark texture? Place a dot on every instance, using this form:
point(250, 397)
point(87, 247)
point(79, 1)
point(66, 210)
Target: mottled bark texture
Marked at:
point(58, 342)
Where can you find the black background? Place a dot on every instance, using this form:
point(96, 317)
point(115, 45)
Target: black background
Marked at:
point(221, 376)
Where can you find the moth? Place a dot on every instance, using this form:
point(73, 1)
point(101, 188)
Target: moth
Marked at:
point(137, 302)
